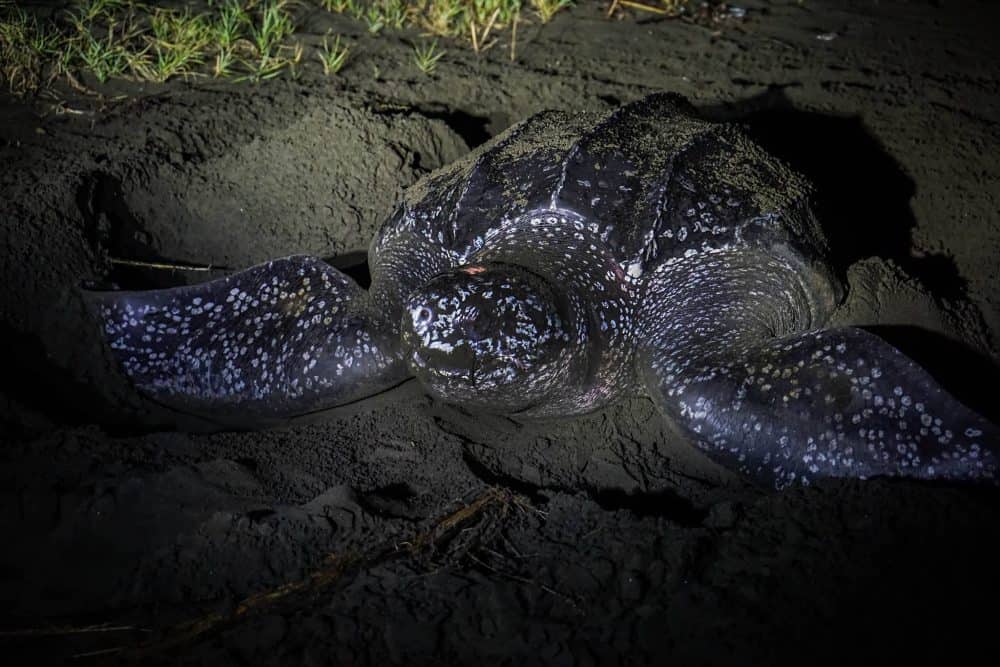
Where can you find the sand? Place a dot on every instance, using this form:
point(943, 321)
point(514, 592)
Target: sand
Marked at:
point(420, 534)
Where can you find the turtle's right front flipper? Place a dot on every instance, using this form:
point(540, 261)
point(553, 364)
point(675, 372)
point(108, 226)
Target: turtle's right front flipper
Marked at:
point(786, 407)
point(831, 403)
point(278, 340)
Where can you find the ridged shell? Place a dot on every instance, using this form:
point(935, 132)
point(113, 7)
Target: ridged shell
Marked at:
point(658, 180)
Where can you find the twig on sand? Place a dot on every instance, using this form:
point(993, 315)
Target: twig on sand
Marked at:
point(491, 496)
point(331, 572)
point(63, 108)
point(75, 84)
point(324, 577)
point(69, 630)
point(166, 266)
point(94, 654)
point(190, 630)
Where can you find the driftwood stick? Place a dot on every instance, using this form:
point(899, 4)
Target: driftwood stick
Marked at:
point(330, 573)
point(166, 266)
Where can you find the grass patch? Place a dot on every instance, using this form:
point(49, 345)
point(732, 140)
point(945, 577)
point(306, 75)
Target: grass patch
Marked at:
point(103, 46)
point(178, 44)
point(244, 40)
point(238, 39)
point(273, 26)
point(26, 51)
point(333, 56)
point(426, 56)
point(546, 9)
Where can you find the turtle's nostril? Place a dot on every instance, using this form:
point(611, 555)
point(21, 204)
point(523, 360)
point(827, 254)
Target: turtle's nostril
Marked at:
point(422, 317)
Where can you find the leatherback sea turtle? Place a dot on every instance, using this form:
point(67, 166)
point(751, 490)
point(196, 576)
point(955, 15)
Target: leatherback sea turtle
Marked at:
point(571, 260)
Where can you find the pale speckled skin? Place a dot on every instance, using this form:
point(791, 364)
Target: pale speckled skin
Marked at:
point(573, 259)
point(287, 337)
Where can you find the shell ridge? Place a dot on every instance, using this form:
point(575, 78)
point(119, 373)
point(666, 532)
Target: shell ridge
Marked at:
point(477, 167)
point(575, 148)
point(653, 233)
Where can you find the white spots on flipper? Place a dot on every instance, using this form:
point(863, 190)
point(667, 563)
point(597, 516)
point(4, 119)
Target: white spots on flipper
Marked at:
point(276, 335)
point(442, 345)
point(848, 404)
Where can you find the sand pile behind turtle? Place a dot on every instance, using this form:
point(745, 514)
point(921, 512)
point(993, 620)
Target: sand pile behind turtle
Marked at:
point(185, 194)
point(318, 184)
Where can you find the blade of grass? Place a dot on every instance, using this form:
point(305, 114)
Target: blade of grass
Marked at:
point(427, 57)
point(333, 56)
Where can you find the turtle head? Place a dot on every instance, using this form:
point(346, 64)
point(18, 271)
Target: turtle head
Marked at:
point(492, 336)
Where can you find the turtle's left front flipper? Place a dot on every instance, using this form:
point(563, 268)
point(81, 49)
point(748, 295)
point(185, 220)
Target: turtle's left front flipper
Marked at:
point(278, 340)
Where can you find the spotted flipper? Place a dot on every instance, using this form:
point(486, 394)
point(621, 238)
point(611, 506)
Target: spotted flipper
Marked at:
point(281, 339)
point(787, 408)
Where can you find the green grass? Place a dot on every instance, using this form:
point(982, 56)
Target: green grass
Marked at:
point(105, 48)
point(26, 48)
point(178, 44)
point(426, 56)
point(231, 24)
point(242, 40)
point(339, 6)
point(229, 28)
point(274, 24)
point(546, 9)
point(333, 56)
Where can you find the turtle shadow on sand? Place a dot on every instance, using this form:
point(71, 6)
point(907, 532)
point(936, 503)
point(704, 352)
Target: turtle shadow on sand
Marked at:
point(968, 374)
point(862, 200)
point(862, 195)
